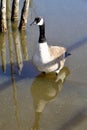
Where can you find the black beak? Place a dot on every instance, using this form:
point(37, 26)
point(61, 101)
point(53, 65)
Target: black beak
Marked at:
point(32, 23)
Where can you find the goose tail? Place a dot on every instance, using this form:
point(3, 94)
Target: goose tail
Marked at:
point(67, 54)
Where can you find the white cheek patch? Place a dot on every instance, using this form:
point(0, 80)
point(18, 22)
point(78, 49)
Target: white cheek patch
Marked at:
point(41, 22)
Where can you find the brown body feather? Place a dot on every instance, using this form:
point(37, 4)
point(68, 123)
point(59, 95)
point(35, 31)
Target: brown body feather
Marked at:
point(56, 51)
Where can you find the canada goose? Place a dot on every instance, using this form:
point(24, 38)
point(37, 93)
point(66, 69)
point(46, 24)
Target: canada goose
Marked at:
point(47, 58)
point(44, 90)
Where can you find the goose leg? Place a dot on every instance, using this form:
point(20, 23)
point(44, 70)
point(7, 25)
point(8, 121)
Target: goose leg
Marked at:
point(44, 73)
point(61, 66)
point(57, 71)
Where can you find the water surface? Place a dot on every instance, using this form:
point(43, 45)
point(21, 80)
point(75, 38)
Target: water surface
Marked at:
point(30, 100)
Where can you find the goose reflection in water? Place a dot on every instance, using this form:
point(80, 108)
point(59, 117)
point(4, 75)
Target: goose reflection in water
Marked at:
point(45, 89)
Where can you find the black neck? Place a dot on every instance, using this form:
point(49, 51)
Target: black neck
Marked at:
point(42, 37)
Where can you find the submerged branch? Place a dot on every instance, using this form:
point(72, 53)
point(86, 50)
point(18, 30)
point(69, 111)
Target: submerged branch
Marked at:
point(16, 41)
point(23, 39)
point(3, 51)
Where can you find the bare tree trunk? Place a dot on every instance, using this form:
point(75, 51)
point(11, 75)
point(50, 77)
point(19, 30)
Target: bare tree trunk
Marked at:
point(15, 10)
point(3, 25)
point(24, 15)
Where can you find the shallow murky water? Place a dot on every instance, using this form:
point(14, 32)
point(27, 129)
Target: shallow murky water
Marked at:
point(33, 101)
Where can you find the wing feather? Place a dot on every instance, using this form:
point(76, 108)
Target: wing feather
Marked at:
point(56, 51)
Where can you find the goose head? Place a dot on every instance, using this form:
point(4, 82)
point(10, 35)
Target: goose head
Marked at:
point(38, 21)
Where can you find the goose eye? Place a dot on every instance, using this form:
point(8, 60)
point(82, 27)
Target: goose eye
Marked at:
point(37, 20)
